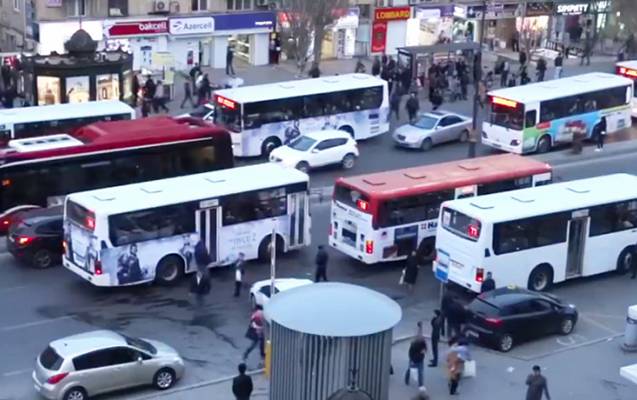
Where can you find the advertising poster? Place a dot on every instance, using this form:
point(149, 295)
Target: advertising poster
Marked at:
point(77, 89)
point(48, 90)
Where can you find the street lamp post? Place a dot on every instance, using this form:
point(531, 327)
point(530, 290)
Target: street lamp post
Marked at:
point(477, 68)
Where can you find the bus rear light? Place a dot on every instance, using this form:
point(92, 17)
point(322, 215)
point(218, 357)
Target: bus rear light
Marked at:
point(362, 205)
point(369, 246)
point(479, 275)
point(98, 267)
point(89, 222)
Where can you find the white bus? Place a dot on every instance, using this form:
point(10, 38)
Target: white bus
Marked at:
point(539, 236)
point(147, 231)
point(262, 117)
point(25, 122)
point(629, 70)
point(538, 116)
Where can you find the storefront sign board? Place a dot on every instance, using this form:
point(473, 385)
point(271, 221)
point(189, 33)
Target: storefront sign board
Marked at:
point(137, 28)
point(191, 26)
point(392, 13)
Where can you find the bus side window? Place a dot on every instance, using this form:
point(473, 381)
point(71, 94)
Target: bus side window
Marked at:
point(529, 119)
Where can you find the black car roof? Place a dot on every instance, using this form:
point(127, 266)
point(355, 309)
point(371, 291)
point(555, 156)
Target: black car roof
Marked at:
point(47, 213)
point(505, 296)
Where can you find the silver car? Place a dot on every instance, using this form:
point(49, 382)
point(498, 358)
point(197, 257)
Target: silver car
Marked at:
point(79, 366)
point(432, 128)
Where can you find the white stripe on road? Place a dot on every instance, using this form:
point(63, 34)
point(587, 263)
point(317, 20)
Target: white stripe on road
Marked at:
point(9, 289)
point(15, 373)
point(34, 323)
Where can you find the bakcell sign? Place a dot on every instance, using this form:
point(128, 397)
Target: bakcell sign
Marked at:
point(190, 26)
point(157, 27)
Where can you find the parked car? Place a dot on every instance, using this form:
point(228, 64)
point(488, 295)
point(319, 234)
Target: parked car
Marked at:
point(260, 291)
point(433, 128)
point(92, 363)
point(204, 111)
point(36, 235)
point(506, 316)
point(318, 149)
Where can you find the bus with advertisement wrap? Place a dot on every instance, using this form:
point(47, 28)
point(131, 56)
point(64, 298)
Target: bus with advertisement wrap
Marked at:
point(263, 117)
point(39, 172)
point(148, 231)
point(539, 116)
point(629, 70)
point(384, 216)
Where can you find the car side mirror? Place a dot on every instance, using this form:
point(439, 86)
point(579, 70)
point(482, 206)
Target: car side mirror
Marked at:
point(140, 360)
point(315, 151)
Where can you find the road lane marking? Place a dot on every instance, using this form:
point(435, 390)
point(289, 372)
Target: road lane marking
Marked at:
point(16, 373)
point(34, 323)
point(12, 288)
point(598, 324)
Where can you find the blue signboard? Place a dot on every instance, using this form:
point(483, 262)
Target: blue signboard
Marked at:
point(441, 270)
point(256, 20)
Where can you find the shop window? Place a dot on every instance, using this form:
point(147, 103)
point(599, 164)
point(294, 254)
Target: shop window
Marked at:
point(75, 8)
point(239, 4)
point(117, 8)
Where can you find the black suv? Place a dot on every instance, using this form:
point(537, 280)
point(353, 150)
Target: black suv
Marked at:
point(36, 237)
point(503, 317)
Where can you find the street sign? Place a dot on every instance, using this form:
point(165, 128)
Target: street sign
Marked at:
point(442, 272)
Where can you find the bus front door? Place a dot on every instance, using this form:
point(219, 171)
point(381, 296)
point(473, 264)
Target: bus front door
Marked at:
point(577, 229)
point(296, 213)
point(207, 223)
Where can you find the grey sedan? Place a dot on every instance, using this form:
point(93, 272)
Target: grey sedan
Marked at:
point(432, 128)
point(92, 363)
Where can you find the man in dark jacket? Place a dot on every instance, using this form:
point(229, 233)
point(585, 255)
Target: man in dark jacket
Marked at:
point(394, 105)
point(321, 264)
point(412, 106)
point(537, 386)
point(229, 60)
point(488, 284)
point(436, 328)
point(541, 69)
point(202, 257)
point(200, 285)
point(376, 66)
point(242, 384)
point(411, 270)
point(417, 350)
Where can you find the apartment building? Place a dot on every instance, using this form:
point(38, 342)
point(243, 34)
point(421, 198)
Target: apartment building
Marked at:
point(16, 25)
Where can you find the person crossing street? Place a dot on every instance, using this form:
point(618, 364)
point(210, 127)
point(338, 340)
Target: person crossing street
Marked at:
point(321, 264)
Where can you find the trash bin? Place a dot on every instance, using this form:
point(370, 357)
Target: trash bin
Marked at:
point(630, 335)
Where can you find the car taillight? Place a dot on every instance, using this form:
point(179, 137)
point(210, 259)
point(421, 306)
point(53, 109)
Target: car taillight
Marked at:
point(24, 240)
point(479, 275)
point(98, 267)
point(57, 378)
point(494, 321)
point(369, 246)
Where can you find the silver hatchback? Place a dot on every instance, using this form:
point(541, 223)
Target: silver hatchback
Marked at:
point(79, 366)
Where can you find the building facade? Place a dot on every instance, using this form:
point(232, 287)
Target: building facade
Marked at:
point(16, 26)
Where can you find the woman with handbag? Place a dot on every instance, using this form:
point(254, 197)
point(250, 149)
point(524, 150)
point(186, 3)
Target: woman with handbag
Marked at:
point(458, 359)
point(255, 333)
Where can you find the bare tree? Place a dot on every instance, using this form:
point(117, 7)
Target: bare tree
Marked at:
point(308, 20)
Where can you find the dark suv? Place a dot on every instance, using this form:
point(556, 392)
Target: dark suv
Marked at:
point(36, 237)
point(506, 316)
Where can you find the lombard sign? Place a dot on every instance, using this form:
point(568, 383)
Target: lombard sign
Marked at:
point(136, 28)
point(392, 13)
point(191, 26)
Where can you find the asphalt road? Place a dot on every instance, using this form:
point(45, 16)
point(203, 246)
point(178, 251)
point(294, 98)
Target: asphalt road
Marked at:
point(39, 306)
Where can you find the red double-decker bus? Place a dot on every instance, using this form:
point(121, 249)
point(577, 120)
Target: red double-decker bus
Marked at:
point(40, 171)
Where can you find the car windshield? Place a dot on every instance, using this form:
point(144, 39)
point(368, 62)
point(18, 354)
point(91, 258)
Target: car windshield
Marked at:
point(425, 122)
point(303, 143)
point(140, 344)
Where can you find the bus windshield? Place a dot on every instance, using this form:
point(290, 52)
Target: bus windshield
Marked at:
point(229, 118)
point(461, 224)
point(508, 117)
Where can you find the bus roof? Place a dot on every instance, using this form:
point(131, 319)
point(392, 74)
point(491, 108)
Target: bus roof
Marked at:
point(540, 200)
point(429, 178)
point(303, 87)
point(632, 64)
point(21, 115)
point(207, 185)
point(127, 133)
point(564, 87)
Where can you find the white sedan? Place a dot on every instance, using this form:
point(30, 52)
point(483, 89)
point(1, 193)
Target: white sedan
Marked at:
point(260, 291)
point(318, 149)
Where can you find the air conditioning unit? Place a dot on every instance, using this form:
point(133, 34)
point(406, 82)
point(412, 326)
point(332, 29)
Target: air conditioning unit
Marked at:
point(161, 6)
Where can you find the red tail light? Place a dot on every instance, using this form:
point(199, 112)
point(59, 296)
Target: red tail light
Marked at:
point(369, 246)
point(24, 240)
point(494, 321)
point(57, 378)
point(90, 222)
point(362, 205)
point(98, 267)
point(479, 275)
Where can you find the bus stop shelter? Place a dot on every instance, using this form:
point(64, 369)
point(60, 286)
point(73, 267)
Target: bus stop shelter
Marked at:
point(417, 59)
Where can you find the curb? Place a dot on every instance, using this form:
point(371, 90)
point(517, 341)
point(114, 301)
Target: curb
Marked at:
point(567, 157)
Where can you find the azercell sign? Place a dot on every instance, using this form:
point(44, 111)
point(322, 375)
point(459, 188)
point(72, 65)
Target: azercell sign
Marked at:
point(191, 26)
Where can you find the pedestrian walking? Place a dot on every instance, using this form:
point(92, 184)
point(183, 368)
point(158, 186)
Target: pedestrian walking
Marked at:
point(394, 105)
point(454, 315)
point(204, 89)
point(360, 67)
point(416, 354)
point(522, 57)
point(558, 63)
point(376, 66)
point(239, 271)
point(513, 81)
point(436, 99)
point(135, 88)
point(536, 385)
point(504, 73)
point(437, 325)
point(200, 286)
point(321, 264)
point(412, 106)
point(455, 367)
point(601, 135)
point(255, 333)
point(410, 272)
point(464, 83)
point(541, 69)
point(488, 284)
point(194, 73)
point(159, 100)
point(242, 384)
point(586, 52)
point(187, 94)
point(149, 89)
point(229, 61)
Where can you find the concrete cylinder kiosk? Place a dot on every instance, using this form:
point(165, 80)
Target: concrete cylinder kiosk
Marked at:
point(630, 335)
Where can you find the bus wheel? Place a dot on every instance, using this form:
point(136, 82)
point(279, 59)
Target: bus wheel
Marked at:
point(269, 144)
point(265, 246)
point(541, 278)
point(427, 249)
point(348, 129)
point(544, 145)
point(169, 270)
point(625, 260)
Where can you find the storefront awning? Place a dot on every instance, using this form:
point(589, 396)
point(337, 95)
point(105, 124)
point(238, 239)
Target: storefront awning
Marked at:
point(629, 372)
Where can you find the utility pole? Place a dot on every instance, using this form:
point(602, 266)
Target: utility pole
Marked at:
point(272, 260)
point(477, 68)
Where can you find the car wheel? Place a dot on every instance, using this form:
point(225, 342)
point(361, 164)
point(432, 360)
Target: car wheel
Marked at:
point(464, 136)
point(426, 144)
point(348, 161)
point(169, 270)
point(42, 259)
point(76, 393)
point(268, 145)
point(505, 343)
point(164, 379)
point(566, 326)
point(544, 145)
point(541, 278)
point(625, 260)
point(303, 167)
